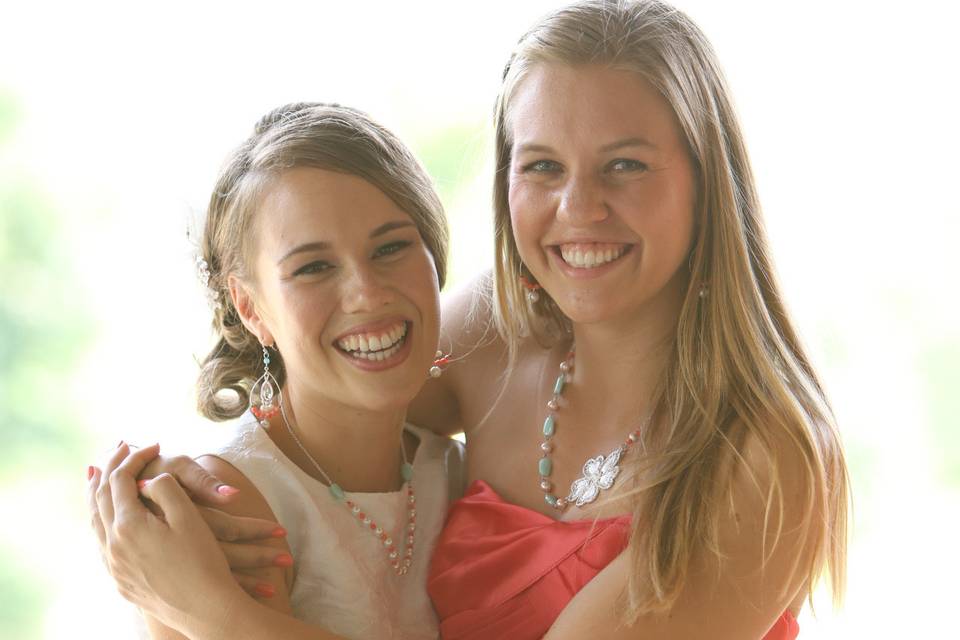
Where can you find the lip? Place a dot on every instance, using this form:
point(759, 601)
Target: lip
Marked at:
point(553, 251)
point(395, 360)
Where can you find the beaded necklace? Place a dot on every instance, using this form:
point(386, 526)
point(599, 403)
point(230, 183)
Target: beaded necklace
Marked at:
point(599, 473)
point(399, 562)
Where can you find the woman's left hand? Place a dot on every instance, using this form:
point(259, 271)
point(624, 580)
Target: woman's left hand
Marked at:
point(152, 557)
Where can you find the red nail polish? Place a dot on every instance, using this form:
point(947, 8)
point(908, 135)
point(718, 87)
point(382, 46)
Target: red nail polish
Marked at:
point(265, 590)
point(279, 532)
point(90, 472)
point(227, 490)
point(283, 560)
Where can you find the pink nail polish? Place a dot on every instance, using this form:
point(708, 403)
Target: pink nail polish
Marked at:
point(283, 560)
point(279, 532)
point(90, 472)
point(265, 590)
point(141, 484)
point(227, 490)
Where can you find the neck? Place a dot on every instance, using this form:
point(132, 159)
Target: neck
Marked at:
point(359, 449)
point(620, 362)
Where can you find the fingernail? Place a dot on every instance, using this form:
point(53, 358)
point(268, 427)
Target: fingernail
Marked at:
point(90, 472)
point(264, 589)
point(279, 532)
point(119, 444)
point(141, 484)
point(283, 560)
point(227, 490)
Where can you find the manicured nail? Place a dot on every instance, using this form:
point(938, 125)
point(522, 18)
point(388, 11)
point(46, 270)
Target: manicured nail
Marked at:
point(264, 589)
point(227, 490)
point(279, 532)
point(141, 484)
point(119, 444)
point(90, 472)
point(283, 560)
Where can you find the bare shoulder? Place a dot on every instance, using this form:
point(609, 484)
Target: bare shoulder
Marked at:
point(469, 337)
point(249, 502)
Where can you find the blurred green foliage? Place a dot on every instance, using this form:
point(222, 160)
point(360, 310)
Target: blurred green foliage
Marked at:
point(42, 331)
point(940, 369)
point(452, 156)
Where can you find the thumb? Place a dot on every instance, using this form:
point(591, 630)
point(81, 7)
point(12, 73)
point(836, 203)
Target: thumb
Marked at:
point(166, 492)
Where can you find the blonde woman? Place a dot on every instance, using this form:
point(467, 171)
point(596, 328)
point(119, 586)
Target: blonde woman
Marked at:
point(323, 250)
point(633, 346)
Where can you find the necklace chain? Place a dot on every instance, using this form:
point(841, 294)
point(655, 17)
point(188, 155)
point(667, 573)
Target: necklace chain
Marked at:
point(598, 473)
point(399, 562)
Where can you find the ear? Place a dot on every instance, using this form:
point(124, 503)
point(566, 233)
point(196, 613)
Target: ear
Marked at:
point(246, 306)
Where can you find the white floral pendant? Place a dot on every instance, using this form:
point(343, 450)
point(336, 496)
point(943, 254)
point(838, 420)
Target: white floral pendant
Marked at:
point(598, 473)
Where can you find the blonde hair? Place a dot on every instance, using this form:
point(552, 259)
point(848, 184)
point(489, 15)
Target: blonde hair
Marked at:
point(737, 372)
point(323, 136)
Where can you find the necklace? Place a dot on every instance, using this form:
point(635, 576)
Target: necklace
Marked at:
point(400, 564)
point(598, 473)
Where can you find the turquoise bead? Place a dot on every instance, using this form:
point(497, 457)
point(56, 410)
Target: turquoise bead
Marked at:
point(558, 387)
point(551, 499)
point(548, 427)
point(337, 492)
point(546, 467)
point(406, 471)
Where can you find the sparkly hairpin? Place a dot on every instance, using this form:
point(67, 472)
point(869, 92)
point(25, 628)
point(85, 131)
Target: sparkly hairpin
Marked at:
point(203, 273)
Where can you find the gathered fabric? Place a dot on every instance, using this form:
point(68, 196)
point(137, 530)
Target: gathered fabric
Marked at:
point(501, 570)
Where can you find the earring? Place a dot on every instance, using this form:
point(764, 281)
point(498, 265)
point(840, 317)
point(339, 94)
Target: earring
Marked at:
point(439, 362)
point(265, 394)
point(533, 289)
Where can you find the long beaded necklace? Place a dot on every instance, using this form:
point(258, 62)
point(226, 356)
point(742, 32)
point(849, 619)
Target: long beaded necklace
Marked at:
point(598, 473)
point(400, 562)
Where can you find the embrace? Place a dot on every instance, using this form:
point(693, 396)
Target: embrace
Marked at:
point(649, 452)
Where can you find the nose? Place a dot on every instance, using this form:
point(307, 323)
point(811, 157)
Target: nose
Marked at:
point(582, 201)
point(364, 290)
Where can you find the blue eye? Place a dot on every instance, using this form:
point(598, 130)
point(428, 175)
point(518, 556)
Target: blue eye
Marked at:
point(317, 266)
point(391, 248)
point(542, 166)
point(624, 164)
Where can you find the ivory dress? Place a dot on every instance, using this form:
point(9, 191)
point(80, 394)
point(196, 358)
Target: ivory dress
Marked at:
point(343, 579)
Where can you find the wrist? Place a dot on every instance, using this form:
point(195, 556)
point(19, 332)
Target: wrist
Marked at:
point(218, 616)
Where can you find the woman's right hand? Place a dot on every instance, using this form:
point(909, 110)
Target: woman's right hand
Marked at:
point(237, 536)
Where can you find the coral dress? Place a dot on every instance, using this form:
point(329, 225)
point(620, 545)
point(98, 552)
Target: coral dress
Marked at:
point(500, 570)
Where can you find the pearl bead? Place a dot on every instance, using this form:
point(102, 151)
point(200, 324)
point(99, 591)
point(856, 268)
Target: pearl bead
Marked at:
point(546, 485)
point(552, 404)
point(546, 446)
point(564, 366)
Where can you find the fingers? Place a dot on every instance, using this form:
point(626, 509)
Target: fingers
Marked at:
point(197, 481)
point(249, 556)
point(123, 485)
point(256, 587)
point(95, 522)
point(229, 528)
point(104, 496)
point(177, 508)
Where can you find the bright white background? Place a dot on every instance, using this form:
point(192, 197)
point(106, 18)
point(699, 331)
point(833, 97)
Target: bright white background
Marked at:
point(850, 112)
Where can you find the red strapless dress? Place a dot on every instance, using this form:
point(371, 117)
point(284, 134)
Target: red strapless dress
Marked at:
point(501, 571)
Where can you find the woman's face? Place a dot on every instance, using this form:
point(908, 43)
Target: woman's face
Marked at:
point(601, 190)
point(346, 287)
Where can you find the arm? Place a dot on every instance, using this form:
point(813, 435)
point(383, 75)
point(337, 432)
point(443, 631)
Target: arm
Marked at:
point(153, 558)
point(740, 599)
point(467, 327)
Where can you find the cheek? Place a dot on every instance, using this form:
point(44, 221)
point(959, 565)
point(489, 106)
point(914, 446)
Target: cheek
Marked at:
point(528, 214)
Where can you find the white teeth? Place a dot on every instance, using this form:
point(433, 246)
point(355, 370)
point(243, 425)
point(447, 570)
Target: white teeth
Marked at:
point(374, 346)
point(577, 257)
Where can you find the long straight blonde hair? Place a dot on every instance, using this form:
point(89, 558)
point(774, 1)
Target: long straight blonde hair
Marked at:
point(737, 371)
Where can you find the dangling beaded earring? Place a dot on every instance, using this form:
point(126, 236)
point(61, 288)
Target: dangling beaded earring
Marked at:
point(265, 395)
point(533, 289)
point(440, 361)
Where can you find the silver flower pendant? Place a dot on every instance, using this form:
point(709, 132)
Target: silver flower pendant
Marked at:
point(598, 473)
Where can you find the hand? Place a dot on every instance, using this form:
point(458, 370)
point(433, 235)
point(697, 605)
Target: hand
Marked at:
point(169, 565)
point(236, 534)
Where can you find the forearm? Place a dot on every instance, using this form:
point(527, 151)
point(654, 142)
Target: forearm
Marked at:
point(247, 619)
point(159, 631)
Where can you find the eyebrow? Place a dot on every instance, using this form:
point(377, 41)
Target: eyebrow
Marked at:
point(323, 246)
point(613, 146)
